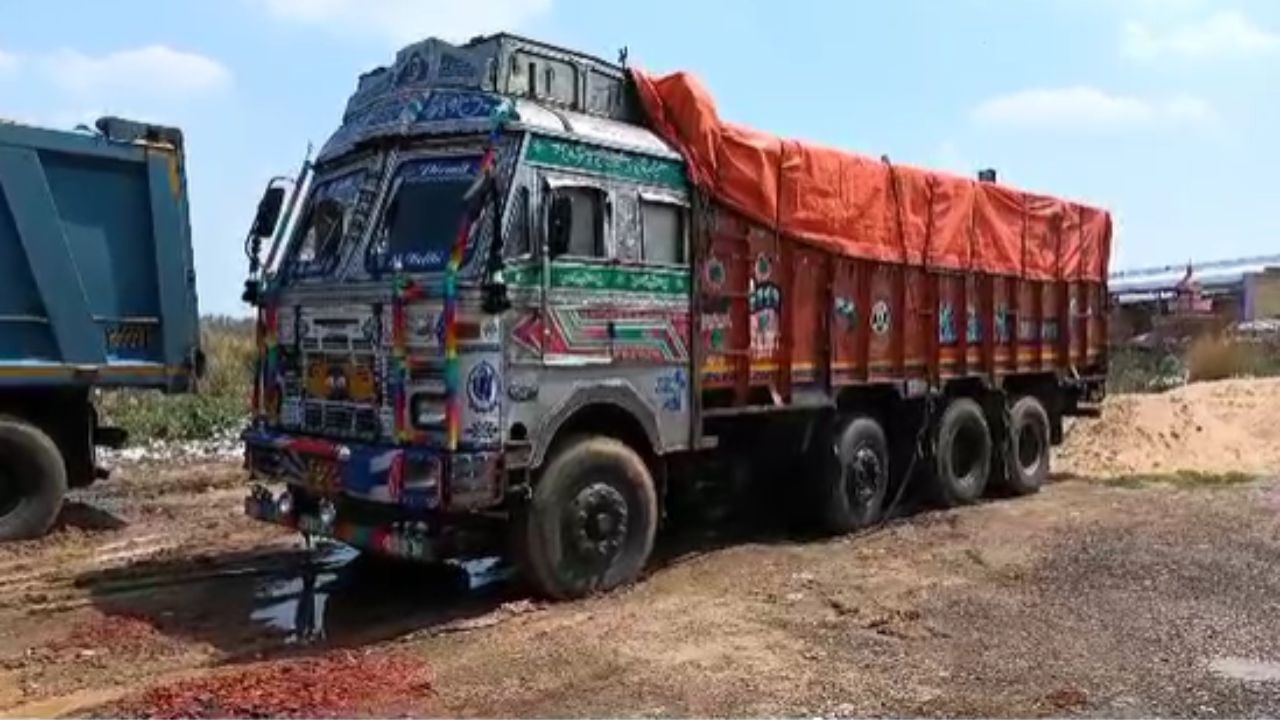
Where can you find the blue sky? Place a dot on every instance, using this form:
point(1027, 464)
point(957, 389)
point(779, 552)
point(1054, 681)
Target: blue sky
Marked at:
point(1164, 111)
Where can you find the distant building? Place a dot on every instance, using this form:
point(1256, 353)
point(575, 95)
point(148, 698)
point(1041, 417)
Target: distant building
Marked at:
point(1262, 295)
point(1242, 290)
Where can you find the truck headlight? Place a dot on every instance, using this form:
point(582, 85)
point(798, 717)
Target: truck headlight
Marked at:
point(328, 513)
point(422, 473)
point(284, 504)
point(425, 411)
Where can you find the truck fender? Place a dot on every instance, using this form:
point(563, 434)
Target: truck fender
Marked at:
point(617, 394)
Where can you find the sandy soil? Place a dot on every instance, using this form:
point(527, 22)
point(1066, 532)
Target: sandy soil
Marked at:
point(1232, 425)
point(1124, 589)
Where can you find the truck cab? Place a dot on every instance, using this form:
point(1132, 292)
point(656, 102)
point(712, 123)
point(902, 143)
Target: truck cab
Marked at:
point(489, 256)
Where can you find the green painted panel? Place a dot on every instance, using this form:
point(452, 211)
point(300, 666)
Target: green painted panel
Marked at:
point(585, 276)
point(526, 275)
point(614, 163)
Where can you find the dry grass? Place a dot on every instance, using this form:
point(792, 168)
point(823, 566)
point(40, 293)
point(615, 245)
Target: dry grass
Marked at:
point(1211, 358)
point(230, 350)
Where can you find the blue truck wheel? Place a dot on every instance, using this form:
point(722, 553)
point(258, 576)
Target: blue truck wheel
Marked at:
point(33, 480)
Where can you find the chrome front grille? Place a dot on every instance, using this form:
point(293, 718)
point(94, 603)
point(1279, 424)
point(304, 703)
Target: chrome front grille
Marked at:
point(316, 408)
point(340, 345)
point(427, 395)
point(352, 337)
point(341, 419)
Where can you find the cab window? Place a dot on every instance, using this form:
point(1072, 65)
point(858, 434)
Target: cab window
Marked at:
point(575, 223)
point(662, 232)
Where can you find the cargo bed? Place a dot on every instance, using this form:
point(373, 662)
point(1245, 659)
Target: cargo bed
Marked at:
point(97, 290)
point(96, 279)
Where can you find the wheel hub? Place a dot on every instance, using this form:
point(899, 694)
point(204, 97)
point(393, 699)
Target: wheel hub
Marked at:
point(864, 476)
point(598, 522)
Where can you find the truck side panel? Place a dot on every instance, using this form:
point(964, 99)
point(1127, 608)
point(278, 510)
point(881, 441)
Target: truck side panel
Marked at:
point(780, 318)
point(96, 281)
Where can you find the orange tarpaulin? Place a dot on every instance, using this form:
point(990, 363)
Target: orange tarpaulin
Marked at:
point(854, 205)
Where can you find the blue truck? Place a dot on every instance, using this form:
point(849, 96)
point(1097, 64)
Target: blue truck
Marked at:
point(97, 290)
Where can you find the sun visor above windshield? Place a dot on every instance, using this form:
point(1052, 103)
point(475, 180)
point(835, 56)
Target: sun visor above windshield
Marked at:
point(425, 112)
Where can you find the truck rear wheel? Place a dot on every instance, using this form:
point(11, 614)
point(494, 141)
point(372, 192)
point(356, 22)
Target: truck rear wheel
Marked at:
point(33, 480)
point(591, 523)
point(962, 454)
point(1028, 456)
point(853, 474)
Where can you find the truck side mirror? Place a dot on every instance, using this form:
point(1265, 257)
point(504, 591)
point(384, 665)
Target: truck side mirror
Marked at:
point(264, 223)
point(559, 224)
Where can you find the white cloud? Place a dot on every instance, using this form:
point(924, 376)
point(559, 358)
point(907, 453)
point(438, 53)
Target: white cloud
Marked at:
point(1193, 110)
point(1164, 8)
point(154, 71)
point(8, 62)
point(405, 21)
point(1223, 34)
point(1087, 108)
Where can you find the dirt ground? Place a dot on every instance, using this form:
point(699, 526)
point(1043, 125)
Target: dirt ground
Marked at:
point(1140, 582)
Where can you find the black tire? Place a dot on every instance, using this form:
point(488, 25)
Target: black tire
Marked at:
point(1027, 464)
point(962, 454)
point(33, 480)
point(591, 523)
point(853, 475)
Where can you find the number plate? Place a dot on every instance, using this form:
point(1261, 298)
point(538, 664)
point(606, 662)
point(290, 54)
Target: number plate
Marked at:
point(127, 336)
point(322, 475)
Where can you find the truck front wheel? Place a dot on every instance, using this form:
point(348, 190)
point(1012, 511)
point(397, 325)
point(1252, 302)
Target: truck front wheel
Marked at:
point(591, 523)
point(33, 480)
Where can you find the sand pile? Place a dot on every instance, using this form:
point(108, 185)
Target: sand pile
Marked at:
point(1213, 427)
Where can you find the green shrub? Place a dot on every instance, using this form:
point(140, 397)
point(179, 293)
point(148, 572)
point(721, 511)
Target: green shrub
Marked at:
point(1207, 358)
point(1138, 370)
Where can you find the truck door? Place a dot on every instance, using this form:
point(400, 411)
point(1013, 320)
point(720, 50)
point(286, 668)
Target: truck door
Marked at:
point(651, 319)
point(577, 300)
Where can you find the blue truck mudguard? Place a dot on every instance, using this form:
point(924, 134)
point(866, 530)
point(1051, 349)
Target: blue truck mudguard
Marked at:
point(97, 290)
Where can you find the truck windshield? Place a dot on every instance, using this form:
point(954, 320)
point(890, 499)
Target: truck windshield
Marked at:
point(324, 225)
point(422, 217)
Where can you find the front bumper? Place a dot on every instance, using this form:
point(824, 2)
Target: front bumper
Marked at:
point(412, 477)
point(410, 542)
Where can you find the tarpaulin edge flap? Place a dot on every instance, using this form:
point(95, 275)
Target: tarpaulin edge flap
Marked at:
point(855, 206)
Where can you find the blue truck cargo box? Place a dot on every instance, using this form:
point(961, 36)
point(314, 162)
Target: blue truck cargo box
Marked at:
point(97, 286)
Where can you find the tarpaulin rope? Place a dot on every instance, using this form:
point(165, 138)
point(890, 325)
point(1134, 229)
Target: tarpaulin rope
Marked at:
point(406, 290)
point(897, 208)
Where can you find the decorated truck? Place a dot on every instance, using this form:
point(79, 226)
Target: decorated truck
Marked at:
point(97, 290)
point(530, 299)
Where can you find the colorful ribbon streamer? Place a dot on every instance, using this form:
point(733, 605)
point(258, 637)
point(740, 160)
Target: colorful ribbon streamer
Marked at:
point(406, 288)
point(452, 372)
